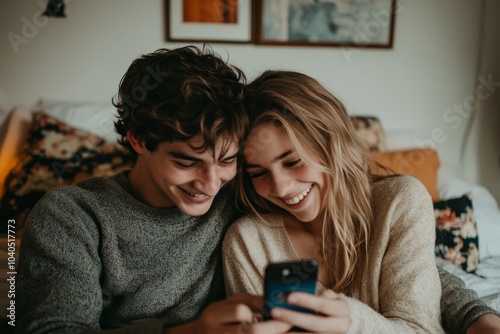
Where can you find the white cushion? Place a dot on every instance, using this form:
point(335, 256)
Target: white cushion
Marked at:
point(97, 118)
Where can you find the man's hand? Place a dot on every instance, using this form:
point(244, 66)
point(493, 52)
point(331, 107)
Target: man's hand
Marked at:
point(485, 324)
point(232, 316)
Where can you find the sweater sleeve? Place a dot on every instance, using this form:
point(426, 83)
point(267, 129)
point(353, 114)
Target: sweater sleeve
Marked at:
point(59, 272)
point(241, 274)
point(460, 307)
point(409, 288)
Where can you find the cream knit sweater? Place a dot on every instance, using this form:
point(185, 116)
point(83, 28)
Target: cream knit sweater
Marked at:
point(402, 290)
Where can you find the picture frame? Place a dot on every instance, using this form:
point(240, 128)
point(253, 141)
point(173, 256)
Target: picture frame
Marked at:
point(340, 23)
point(221, 21)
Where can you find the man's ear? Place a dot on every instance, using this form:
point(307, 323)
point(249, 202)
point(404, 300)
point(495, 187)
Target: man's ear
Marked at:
point(137, 144)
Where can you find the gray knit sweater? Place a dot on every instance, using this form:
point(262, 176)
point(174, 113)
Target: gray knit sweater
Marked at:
point(459, 306)
point(94, 257)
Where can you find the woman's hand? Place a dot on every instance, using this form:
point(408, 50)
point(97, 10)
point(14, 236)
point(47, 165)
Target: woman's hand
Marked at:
point(333, 313)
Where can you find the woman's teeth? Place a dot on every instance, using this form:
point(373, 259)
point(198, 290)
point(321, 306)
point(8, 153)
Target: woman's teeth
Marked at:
point(298, 198)
point(195, 195)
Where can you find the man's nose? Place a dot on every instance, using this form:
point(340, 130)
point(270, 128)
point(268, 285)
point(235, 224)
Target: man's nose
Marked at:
point(210, 180)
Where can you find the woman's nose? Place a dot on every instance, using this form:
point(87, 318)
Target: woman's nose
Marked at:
point(281, 184)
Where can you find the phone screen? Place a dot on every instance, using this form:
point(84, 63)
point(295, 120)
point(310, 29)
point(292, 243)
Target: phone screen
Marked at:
point(280, 279)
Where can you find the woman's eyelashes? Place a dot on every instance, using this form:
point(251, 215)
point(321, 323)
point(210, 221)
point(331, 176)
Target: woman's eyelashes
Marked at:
point(260, 173)
point(256, 175)
point(293, 163)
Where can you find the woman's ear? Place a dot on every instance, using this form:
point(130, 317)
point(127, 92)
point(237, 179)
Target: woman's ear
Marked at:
point(137, 144)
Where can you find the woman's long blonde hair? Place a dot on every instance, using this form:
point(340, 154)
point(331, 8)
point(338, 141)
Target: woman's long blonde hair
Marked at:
point(322, 134)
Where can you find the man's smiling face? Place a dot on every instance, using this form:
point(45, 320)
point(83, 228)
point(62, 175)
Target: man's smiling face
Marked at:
point(177, 174)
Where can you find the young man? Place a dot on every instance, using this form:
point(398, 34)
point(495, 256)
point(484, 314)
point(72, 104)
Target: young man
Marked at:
point(139, 252)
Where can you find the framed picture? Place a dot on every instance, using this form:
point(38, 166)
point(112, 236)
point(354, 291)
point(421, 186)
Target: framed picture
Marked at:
point(358, 23)
point(227, 21)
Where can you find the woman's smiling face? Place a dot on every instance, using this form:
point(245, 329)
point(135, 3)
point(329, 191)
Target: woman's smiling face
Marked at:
point(280, 176)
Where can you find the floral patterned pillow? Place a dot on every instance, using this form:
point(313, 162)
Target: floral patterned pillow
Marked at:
point(456, 232)
point(370, 131)
point(57, 154)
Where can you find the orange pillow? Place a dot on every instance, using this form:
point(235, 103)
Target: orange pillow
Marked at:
point(422, 164)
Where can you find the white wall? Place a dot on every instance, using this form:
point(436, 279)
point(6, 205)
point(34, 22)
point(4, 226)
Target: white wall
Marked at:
point(431, 68)
point(482, 148)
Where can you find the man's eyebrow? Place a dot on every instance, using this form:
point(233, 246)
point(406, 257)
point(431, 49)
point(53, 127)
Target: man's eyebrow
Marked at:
point(279, 157)
point(184, 156)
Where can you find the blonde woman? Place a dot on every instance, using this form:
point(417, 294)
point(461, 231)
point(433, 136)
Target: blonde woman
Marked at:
point(306, 179)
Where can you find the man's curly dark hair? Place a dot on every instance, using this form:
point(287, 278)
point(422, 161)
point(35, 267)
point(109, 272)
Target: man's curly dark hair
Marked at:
point(179, 94)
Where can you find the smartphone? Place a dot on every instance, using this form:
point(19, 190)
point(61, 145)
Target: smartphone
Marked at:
point(280, 279)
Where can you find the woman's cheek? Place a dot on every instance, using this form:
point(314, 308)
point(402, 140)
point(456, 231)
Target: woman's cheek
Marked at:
point(260, 187)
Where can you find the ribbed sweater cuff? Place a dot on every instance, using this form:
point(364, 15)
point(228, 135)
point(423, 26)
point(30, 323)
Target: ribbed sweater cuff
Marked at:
point(471, 312)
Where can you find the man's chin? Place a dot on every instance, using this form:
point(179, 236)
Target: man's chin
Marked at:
point(196, 210)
